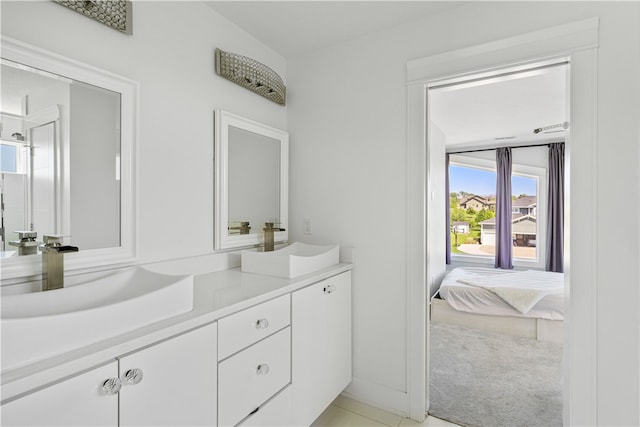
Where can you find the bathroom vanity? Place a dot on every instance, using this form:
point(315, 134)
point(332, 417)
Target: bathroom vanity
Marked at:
point(255, 350)
point(132, 347)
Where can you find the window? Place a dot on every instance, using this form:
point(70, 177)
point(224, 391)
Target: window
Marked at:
point(12, 157)
point(472, 187)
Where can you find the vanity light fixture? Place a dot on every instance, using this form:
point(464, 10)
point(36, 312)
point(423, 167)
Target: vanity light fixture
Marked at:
point(114, 13)
point(252, 75)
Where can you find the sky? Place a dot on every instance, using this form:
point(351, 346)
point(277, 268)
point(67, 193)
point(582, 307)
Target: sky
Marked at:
point(483, 183)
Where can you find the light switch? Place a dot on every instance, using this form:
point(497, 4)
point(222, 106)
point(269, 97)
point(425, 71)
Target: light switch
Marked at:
point(306, 226)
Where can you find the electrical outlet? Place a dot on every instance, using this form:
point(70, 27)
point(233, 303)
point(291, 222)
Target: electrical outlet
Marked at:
point(306, 226)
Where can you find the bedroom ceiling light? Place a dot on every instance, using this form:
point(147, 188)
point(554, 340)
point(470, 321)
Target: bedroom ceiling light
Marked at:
point(564, 125)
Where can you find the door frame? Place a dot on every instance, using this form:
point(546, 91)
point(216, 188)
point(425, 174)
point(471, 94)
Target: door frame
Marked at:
point(578, 42)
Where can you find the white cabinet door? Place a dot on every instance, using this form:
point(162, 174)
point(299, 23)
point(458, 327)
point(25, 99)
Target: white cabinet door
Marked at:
point(77, 401)
point(178, 382)
point(321, 345)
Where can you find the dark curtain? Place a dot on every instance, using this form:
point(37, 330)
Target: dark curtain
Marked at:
point(447, 208)
point(504, 240)
point(555, 208)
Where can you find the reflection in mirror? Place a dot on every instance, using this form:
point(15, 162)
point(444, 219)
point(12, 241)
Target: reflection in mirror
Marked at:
point(251, 181)
point(50, 122)
point(67, 133)
point(254, 178)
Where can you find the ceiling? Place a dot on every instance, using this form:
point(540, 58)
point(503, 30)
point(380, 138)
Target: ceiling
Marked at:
point(504, 110)
point(294, 28)
point(494, 112)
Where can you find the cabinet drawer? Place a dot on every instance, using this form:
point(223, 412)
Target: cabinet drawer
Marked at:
point(246, 327)
point(243, 386)
point(275, 412)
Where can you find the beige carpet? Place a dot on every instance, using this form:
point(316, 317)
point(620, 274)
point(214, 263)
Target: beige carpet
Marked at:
point(478, 378)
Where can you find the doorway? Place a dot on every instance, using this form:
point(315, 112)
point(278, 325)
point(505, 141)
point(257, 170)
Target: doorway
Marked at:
point(578, 42)
point(474, 333)
point(29, 191)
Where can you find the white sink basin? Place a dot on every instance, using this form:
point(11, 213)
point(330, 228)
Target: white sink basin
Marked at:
point(43, 324)
point(291, 261)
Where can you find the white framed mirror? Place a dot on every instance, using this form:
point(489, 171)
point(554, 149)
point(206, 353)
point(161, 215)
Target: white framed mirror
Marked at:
point(68, 139)
point(252, 175)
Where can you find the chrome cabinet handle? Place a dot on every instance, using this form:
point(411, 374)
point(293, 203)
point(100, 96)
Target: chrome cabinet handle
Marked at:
point(262, 324)
point(133, 376)
point(329, 289)
point(263, 369)
point(111, 386)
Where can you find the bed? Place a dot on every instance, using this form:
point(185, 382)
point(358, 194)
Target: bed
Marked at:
point(477, 298)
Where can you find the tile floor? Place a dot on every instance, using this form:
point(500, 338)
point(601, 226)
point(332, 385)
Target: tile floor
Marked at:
point(345, 412)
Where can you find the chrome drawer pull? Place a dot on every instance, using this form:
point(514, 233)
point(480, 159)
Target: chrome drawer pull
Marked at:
point(133, 376)
point(262, 324)
point(263, 369)
point(329, 289)
point(111, 386)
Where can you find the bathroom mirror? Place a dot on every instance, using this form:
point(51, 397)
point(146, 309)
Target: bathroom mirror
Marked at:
point(251, 180)
point(67, 138)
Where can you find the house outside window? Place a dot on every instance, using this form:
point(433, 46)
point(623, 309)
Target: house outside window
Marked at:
point(472, 200)
point(523, 230)
point(525, 205)
point(461, 227)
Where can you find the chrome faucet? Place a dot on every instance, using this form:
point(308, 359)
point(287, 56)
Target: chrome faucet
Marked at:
point(53, 262)
point(239, 227)
point(269, 230)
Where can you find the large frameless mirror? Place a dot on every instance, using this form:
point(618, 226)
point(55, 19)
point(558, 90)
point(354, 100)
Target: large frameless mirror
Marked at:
point(251, 181)
point(67, 136)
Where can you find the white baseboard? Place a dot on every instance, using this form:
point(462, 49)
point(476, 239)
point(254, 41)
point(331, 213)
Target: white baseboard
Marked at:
point(377, 395)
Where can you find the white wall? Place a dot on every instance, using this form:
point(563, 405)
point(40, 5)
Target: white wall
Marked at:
point(436, 199)
point(348, 173)
point(94, 143)
point(171, 55)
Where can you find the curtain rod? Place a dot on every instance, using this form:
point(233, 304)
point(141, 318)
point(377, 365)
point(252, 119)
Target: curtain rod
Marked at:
point(546, 144)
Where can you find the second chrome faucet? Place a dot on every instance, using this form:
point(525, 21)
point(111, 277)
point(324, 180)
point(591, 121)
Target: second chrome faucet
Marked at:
point(269, 231)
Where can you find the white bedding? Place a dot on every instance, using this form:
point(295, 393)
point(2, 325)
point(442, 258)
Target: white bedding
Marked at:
point(544, 292)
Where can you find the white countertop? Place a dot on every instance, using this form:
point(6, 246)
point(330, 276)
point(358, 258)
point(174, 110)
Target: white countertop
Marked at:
point(216, 295)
